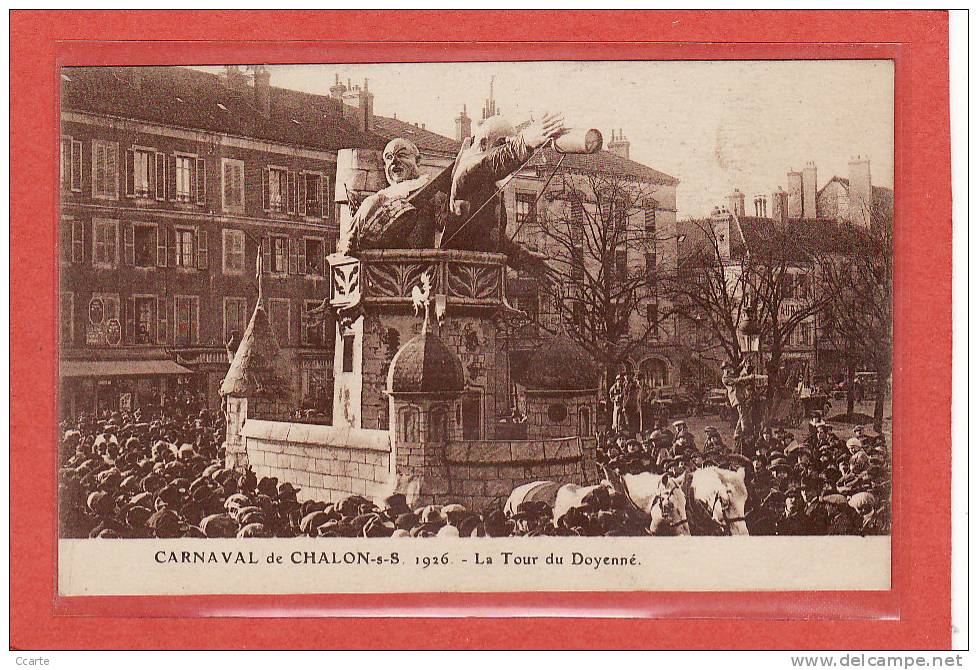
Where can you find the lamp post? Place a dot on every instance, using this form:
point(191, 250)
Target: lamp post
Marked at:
point(749, 335)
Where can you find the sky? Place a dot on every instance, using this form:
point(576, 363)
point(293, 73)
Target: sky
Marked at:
point(714, 125)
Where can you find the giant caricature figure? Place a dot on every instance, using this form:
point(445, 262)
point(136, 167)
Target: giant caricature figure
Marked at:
point(420, 211)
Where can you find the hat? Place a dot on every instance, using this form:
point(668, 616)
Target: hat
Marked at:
point(406, 521)
point(835, 499)
point(396, 504)
point(678, 423)
point(219, 525)
point(854, 442)
point(268, 486)
point(253, 530)
point(286, 490)
point(311, 522)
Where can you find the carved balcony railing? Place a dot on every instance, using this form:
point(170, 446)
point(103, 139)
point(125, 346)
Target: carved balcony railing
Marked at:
point(387, 277)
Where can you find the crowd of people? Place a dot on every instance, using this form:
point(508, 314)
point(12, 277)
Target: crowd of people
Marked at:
point(125, 475)
point(823, 483)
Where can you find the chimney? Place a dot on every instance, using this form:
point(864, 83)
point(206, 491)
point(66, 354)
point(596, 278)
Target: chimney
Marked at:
point(779, 205)
point(794, 195)
point(618, 144)
point(720, 220)
point(463, 125)
point(760, 206)
point(860, 192)
point(361, 106)
point(809, 189)
point(263, 90)
point(336, 92)
point(735, 201)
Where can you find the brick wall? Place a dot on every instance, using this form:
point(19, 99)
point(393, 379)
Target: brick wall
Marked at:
point(327, 463)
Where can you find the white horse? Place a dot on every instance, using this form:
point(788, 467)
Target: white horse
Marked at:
point(659, 497)
point(662, 498)
point(723, 494)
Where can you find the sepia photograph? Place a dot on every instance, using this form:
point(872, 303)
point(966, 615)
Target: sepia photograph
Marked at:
point(547, 304)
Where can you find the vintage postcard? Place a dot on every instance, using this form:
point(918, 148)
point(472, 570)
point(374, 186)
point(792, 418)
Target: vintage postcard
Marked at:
point(476, 327)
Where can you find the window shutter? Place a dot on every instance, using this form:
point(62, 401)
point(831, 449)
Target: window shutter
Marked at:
point(302, 194)
point(303, 333)
point(129, 244)
point(195, 319)
point(162, 320)
point(130, 320)
point(77, 241)
point(302, 258)
point(265, 176)
point(202, 249)
point(112, 170)
point(161, 245)
point(324, 263)
point(201, 181)
point(228, 184)
point(325, 200)
point(66, 231)
point(266, 254)
point(130, 172)
point(76, 165)
point(171, 177)
point(160, 175)
point(293, 257)
point(290, 192)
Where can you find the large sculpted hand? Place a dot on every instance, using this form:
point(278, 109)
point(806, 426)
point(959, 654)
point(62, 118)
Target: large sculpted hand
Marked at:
point(548, 127)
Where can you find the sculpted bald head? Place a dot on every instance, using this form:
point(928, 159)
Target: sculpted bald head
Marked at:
point(402, 160)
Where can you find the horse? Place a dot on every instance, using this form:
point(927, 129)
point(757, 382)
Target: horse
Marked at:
point(721, 495)
point(660, 498)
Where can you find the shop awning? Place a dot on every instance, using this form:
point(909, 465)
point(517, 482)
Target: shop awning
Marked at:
point(121, 368)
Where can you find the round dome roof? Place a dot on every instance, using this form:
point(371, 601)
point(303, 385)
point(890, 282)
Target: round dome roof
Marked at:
point(425, 364)
point(559, 364)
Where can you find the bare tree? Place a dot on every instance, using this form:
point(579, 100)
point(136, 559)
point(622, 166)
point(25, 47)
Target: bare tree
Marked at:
point(590, 227)
point(858, 317)
point(766, 277)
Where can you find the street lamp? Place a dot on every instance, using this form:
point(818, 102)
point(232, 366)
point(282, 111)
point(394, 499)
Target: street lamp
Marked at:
point(749, 335)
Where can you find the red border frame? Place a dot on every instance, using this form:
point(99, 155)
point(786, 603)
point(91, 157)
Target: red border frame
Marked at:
point(918, 607)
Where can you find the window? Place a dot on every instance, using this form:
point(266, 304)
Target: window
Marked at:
point(103, 320)
point(801, 287)
point(184, 182)
point(408, 423)
point(650, 267)
point(621, 264)
point(141, 173)
point(314, 331)
point(184, 248)
point(145, 246)
point(67, 317)
point(525, 207)
point(234, 252)
point(145, 319)
point(315, 255)
point(348, 340)
point(804, 334)
point(187, 318)
point(312, 194)
point(278, 190)
point(652, 316)
point(105, 170)
point(71, 164)
point(584, 422)
point(232, 185)
point(278, 313)
point(278, 258)
point(105, 243)
point(472, 416)
point(235, 317)
point(650, 206)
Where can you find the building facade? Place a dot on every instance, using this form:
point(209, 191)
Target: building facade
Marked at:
point(173, 181)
